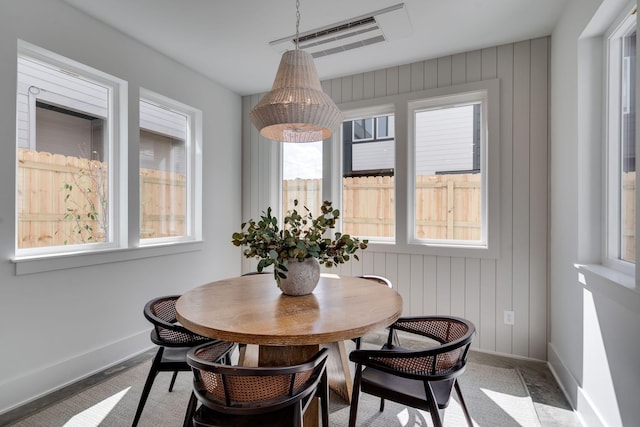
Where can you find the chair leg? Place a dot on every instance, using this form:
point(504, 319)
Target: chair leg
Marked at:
point(358, 342)
point(153, 371)
point(433, 405)
point(173, 380)
point(191, 409)
point(463, 404)
point(297, 414)
point(381, 404)
point(353, 410)
point(324, 399)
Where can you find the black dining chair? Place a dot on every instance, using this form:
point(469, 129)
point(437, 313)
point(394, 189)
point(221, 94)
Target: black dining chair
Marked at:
point(422, 378)
point(255, 396)
point(173, 341)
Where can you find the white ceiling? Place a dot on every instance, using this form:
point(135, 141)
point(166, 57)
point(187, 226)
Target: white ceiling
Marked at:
point(228, 40)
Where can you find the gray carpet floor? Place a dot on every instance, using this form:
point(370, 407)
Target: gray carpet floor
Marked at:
point(496, 391)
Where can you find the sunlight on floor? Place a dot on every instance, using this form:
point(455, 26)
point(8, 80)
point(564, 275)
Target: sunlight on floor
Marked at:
point(511, 404)
point(94, 415)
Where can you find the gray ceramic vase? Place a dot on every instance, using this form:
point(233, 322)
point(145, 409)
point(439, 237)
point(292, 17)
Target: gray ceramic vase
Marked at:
point(302, 277)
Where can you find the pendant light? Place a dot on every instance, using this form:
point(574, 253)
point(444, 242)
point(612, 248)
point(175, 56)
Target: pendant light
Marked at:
point(296, 109)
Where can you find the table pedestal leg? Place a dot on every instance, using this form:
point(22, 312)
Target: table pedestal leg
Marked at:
point(338, 371)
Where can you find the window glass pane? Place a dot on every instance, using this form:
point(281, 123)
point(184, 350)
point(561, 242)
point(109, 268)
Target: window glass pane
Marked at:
point(163, 174)
point(447, 173)
point(386, 127)
point(368, 186)
point(63, 157)
point(362, 129)
point(627, 147)
point(302, 176)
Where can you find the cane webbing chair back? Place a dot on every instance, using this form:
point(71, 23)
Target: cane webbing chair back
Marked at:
point(227, 391)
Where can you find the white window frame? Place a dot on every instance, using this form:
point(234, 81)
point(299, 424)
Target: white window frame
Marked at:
point(437, 103)
point(116, 155)
point(612, 215)
point(373, 129)
point(193, 167)
point(377, 135)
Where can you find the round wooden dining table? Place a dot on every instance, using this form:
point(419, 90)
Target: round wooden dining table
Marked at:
point(290, 329)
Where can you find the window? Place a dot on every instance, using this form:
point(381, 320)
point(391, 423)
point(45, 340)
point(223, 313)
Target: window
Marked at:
point(368, 181)
point(621, 136)
point(302, 176)
point(67, 153)
point(167, 169)
point(72, 185)
point(448, 158)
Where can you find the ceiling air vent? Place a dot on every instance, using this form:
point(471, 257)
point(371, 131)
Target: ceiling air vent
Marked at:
point(375, 27)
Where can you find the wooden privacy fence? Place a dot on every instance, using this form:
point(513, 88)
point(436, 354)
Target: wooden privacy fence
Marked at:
point(629, 217)
point(447, 206)
point(62, 200)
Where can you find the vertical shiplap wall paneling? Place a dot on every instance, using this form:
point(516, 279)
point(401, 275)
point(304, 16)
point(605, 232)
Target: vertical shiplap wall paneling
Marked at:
point(392, 81)
point(430, 70)
point(336, 89)
point(404, 78)
point(357, 87)
point(486, 327)
point(367, 261)
point(538, 185)
point(369, 83)
point(444, 71)
point(488, 316)
point(458, 283)
point(247, 194)
point(489, 63)
point(403, 285)
point(472, 296)
point(430, 284)
point(347, 89)
point(379, 264)
point(380, 83)
point(458, 69)
point(443, 285)
point(417, 76)
point(504, 279)
point(391, 267)
point(521, 223)
point(479, 289)
point(474, 66)
point(416, 288)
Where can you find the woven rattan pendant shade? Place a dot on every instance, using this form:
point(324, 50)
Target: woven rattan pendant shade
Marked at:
point(296, 109)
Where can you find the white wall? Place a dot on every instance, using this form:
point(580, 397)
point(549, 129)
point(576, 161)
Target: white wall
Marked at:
point(594, 343)
point(61, 325)
point(476, 286)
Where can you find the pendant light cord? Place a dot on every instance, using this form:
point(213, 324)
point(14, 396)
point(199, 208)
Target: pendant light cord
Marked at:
point(297, 24)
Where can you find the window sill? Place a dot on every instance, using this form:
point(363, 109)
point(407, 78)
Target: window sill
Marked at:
point(40, 264)
point(610, 283)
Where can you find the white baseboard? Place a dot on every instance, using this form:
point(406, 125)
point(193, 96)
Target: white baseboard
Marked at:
point(572, 390)
point(49, 378)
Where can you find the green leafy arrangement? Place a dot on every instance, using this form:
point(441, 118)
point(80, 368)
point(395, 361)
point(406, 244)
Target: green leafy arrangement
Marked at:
point(302, 236)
